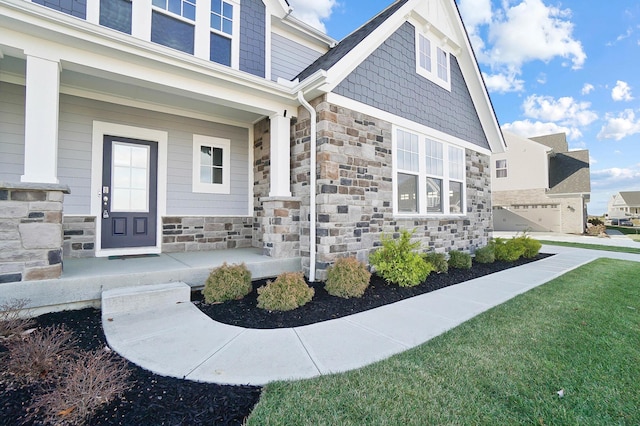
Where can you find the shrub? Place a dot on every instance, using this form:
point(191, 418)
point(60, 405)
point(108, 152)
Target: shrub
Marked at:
point(91, 380)
point(347, 278)
point(227, 282)
point(41, 355)
point(397, 263)
point(459, 260)
point(509, 250)
point(531, 246)
point(12, 323)
point(595, 221)
point(287, 292)
point(438, 261)
point(485, 254)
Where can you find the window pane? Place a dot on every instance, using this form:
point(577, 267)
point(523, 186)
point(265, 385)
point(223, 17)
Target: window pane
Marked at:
point(138, 200)
point(455, 197)
point(443, 66)
point(205, 174)
point(116, 14)
point(501, 173)
point(434, 158)
point(407, 151)
point(217, 157)
point(172, 32)
point(157, 3)
point(121, 155)
point(407, 193)
point(216, 22)
point(139, 157)
point(217, 175)
point(216, 6)
point(227, 11)
point(175, 6)
point(121, 200)
point(456, 163)
point(424, 52)
point(121, 177)
point(227, 26)
point(434, 195)
point(205, 155)
point(189, 11)
point(220, 49)
point(139, 178)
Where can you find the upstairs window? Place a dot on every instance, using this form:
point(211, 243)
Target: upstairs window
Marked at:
point(116, 14)
point(221, 22)
point(77, 8)
point(432, 61)
point(501, 168)
point(173, 24)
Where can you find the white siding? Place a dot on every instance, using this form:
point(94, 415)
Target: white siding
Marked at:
point(288, 58)
point(11, 132)
point(74, 161)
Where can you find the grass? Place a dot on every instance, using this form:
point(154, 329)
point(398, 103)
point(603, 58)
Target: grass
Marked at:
point(626, 230)
point(600, 247)
point(579, 333)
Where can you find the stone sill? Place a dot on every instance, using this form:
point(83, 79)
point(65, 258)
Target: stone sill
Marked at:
point(29, 186)
point(283, 198)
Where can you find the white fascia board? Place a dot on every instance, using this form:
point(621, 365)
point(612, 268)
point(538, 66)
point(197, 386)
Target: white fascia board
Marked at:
point(342, 101)
point(38, 31)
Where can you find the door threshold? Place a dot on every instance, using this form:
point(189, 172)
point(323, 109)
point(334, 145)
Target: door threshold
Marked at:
point(131, 256)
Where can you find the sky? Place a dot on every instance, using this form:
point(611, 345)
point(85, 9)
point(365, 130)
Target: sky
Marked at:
point(550, 66)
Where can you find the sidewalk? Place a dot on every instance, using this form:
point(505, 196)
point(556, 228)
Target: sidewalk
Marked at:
point(180, 341)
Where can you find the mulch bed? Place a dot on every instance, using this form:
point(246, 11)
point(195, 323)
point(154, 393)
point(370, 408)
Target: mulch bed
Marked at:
point(158, 400)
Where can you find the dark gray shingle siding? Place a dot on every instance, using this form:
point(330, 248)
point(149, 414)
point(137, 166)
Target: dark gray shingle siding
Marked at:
point(569, 173)
point(387, 80)
point(252, 37)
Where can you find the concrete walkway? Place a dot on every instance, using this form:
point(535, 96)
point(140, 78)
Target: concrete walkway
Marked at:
point(168, 335)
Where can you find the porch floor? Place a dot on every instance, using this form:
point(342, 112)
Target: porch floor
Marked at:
point(83, 280)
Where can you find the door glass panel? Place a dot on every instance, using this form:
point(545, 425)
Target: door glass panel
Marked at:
point(130, 178)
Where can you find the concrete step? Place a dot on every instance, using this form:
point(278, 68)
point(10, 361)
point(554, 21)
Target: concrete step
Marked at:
point(145, 297)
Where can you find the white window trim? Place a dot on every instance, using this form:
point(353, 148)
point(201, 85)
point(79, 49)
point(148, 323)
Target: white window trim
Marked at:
point(435, 44)
point(422, 178)
point(211, 188)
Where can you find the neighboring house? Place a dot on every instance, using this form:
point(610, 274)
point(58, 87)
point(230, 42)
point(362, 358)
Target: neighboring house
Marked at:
point(539, 185)
point(163, 126)
point(624, 204)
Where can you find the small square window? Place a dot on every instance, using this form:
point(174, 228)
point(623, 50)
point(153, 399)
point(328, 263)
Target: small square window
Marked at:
point(211, 164)
point(432, 61)
point(501, 168)
point(443, 65)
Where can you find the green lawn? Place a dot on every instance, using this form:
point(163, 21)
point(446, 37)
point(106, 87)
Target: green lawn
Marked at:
point(580, 333)
point(592, 246)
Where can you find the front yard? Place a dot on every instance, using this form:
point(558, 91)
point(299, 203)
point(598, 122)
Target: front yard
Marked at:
point(579, 334)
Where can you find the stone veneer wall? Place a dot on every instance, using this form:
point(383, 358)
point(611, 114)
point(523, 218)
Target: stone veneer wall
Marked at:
point(261, 167)
point(182, 234)
point(79, 233)
point(30, 231)
point(354, 191)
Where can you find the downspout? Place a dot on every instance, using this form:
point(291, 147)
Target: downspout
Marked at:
point(312, 187)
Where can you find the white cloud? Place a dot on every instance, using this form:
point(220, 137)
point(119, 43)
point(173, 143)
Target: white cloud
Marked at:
point(620, 126)
point(564, 110)
point(313, 13)
point(587, 88)
point(528, 128)
point(503, 83)
point(517, 34)
point(616, 177)
point(533, 31)
point(622, 92)
point(542, 78)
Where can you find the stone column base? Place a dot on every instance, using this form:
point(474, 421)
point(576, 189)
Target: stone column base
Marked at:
point(281, 227)
point(30, 231)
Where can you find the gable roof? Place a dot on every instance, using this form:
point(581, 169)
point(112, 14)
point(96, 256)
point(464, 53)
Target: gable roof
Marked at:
point(345, 46)
point(343, 58)
point(557, 141)
point(569, 173)
point(631, 198)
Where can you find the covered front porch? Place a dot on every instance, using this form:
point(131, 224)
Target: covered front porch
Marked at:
point(83, 280)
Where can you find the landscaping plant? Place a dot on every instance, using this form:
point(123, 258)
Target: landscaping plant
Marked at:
point(289, 291)
point(12, 323)
point(227, 282)
point(438, 261)
point(459, 260)
point(397, 263)
point(347, 278)
point(508, 250)
point(485, 254)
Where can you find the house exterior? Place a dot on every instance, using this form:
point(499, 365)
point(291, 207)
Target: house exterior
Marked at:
point(155, 126)
point(624, 204)
point(539, 185)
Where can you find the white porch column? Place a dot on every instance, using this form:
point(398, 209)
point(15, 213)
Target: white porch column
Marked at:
point(41, 121)
point(280, 170)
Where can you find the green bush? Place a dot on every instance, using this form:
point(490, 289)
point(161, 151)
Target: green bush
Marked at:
point(397, 263)
point(347, 278)
point(595, 221)
point(289, 291)
point(438, 261)
point(531, 246)
point(485, 254)
point(227, 282)
point(509, 250)
point(459, 260)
